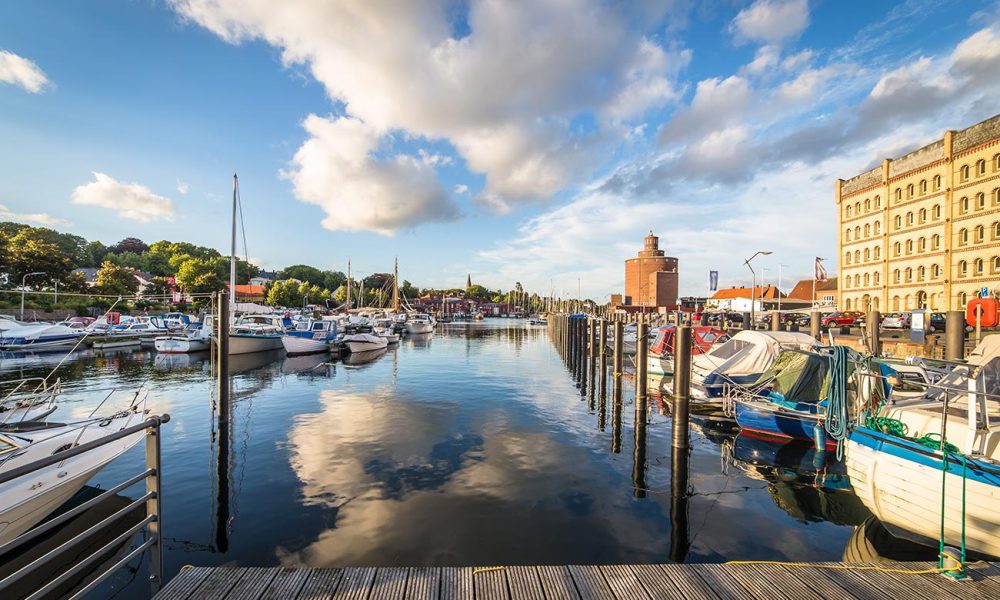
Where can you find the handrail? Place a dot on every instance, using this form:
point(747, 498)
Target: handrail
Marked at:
point(151, 524)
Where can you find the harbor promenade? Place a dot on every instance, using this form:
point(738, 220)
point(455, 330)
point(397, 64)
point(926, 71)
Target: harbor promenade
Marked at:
point(891, 581)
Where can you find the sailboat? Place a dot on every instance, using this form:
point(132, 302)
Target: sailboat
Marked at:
point(249, 334)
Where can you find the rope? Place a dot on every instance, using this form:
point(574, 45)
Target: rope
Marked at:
point(846, 567)
point(836, 419)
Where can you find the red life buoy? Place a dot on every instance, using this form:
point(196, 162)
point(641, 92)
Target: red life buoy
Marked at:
point(987, 310)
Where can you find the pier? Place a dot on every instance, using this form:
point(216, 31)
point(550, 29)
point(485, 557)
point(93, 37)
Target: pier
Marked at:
point(651, 581)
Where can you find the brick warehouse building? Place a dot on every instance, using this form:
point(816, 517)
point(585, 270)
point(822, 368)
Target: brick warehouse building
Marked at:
point(923, 230)
point(651, 279)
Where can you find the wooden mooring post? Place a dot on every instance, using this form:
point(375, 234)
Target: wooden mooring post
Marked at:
point(954, 327)
point(814, 325)
point(641, 360)
point(872, 324)
point(682, 386)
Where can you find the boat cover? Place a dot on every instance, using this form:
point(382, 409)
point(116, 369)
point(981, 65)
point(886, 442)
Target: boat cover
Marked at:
point(748, 353)
point(797, 378)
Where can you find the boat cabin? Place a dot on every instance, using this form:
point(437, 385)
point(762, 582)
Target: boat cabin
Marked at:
point(703, 337)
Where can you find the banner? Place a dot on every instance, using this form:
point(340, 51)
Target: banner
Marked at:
point(713, 281)
point(820, 270)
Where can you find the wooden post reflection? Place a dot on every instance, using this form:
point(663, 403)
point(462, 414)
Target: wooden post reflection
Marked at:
point(639, 453)
point(678, 503)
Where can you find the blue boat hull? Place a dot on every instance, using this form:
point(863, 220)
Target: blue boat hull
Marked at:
point(772, 420)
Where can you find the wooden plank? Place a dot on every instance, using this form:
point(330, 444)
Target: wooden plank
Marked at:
point(986, 576)
point(253, 583)
point(828, 581)
point(456, 583)
point(219, 582)
point(424, 583)
point(557, 583)
point(655, 583)
point(355, 584)
point(721, 581)
point(320, 584)
point(590, 582)
point(524, 582)
point(623, 582)
point(946, 586)
point(688, 581)
point(286, 584)
point(897, 589)
point(184, 583)
point(763, 580)
point(389, 583)
point(490, 583)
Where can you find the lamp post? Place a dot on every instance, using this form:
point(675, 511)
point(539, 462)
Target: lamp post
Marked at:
point(753, 287)
point(779, 286)
point(23, 283)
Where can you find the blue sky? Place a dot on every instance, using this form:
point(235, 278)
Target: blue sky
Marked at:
point(530, 141)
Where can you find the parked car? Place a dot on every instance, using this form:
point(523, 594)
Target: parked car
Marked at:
point(936, 322)
point(838, 319)
point(896, 321)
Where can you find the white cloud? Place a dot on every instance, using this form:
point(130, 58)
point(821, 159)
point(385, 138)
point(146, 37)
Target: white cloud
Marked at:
point(461, 188)
point(771, 21)
point(182, 188)
point(335, 169)
point(716, 103)
point(765, 59)
point(20, 71)
point(505, 95)
point(129, 200)
point(39, 218)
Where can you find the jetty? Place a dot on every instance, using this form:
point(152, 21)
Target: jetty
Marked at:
point(746, 581)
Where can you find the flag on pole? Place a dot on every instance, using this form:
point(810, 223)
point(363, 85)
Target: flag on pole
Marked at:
point(820, 270)
point(713, 281)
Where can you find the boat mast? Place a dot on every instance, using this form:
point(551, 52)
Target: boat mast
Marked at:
point(348, 286)
point(232, 253)
point(395, 286)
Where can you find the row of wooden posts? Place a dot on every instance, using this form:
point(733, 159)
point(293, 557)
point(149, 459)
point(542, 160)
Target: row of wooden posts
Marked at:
point(584, 343)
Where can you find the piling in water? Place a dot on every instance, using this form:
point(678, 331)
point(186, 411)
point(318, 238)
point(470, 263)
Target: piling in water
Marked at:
point(682, 385)
point(641, 360)
point(639, 452)
point(619, 350)
point(603, 358)
point(678, 503)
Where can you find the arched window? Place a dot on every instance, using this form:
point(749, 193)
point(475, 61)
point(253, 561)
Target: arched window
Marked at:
point(857, 256)
point(909, 191)
point(922, 244)
point(980, 201)
point(895, 276)
point(909, 246)
point(906, 302)
point(899, 221)
point(996, 264)
point(847, 258)
point(935, 241)
point(878, 201)
point(875, 277)
point(996, 162)
point(847, 281)
point(899, 194)
point(963, 236)
point(965, 172)
point(897, 249)
point(848, 306)
point(978, 266)
point(878, 252)
point(963, 268)
point(963, 299)
point(980, 233)
point(909, 274)
point(857, 208)
point(980, 167)
point(868, 204)
point(996, 196)
point(868, 280)
point(868, 254)
point(909, 218)
point(923, 215)
point(857, 232)
point(923, 186)
point(937, 212)
point(937, 182)
point(963, 204)
point(857, 280)
point(849, 211)
point(868, 229)
point(878, 227)
point(895, 303)
point(996, 230)
point(935, 271)
point(921, 273)
point(847, 234)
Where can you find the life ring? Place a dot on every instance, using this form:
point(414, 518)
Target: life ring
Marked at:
point(986, 309)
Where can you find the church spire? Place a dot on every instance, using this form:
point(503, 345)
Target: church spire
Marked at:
point(468, 281)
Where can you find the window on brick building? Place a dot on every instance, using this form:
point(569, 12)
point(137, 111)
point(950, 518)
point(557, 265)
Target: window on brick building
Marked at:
point(922, 215)
point(937, 212)
point(868, 229)
point(996, 230)
point(980, 233)
point(963, 299)
point(923, 186)
point(875, 277)
point(964, 173)
point(922, 244)
point(935, 271)
point(978, 266)
point(935, 241)
point(857, 256)
point(909, 218)
point(847, 258)
point(857, 232)
point(909, 191)
point(878, 252)
point(895, 276)
point(868, 280)
point(899, 194)
point(847, 234)
point(996, 162)
point(963, 268)
point(937, 182)
point(963, 236)
point(921, 273)
point(878, 227)
point(996, 264)
point(868, 204)
point(849, 211)
point(980, 201)
point(909, 274)
point(980, 167)
point(897, 249)
point(909, 246)
point(878, 201)
point(963, 204)
point(868, 254)
point(899, 221)
point(895, 303)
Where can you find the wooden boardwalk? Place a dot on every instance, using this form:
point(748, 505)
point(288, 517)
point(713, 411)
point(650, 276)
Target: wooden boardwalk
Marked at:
point(674, 581)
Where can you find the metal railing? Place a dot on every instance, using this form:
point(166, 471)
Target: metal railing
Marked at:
point(151, 524)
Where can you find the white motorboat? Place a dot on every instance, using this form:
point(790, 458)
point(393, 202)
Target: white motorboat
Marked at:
point(385, 328)
point(256, 333)
point(419, 323)
point(27, 500)
point(310, 337)
point(194, 339)
point(43, 337)
point(898, 472)
point(364, 342)
point(28, 399)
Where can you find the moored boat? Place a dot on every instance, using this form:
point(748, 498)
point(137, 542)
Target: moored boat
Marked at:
point(419, 323)
point(364, 342)
point(194, 339)
point(741, 360)
point(43, 337)
point(310, 337)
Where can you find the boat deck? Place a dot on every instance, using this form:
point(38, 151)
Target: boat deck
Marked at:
point(675, 581)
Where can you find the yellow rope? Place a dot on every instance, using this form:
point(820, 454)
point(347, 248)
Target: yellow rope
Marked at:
point(487, 569)
point(843, 567)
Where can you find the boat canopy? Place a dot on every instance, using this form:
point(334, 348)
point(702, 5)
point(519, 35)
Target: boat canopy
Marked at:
point(750, 352)
point(703, 337)
point(796, 378)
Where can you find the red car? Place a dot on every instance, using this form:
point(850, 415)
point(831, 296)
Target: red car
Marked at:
point(840, 318)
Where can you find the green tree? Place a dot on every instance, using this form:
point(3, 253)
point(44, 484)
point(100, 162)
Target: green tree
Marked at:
point(126, 259)
point(94, 254)
point(333, 279)
point(286, 292)
point(157, 288)
point(303, 273)
point(116, 280)
point(129, 244)
point(200, 276)
point(36, 250)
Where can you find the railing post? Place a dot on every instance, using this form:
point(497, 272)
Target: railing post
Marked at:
point(153, 507)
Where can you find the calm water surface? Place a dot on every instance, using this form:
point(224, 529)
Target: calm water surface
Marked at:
point(476, 446)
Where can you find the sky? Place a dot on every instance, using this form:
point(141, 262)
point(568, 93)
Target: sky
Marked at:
point(533, 142)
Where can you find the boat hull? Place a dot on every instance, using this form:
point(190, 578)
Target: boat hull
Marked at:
point(776, 422)
point(358, 347)
point(180, 345)
point(240, 343)
point(417, 328)
point(659, 365)
point(41, 345)
point(295, 345)
point(900, 482)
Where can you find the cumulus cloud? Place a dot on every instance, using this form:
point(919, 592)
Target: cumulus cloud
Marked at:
point(717, 102)
point(128, 200)
point(336, 170)
point(771, 21)
point(504, 91)
point(39, 218)
point(19, 71)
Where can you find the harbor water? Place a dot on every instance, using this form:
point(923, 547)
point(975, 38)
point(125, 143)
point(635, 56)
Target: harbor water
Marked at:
point(473, 446)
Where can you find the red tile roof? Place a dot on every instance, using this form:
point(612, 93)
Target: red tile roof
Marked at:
point(765, 292)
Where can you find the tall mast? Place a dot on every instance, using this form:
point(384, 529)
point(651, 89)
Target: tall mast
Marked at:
point(361, 300)
point(395, 286)
point(232, 254)
point(348, 286)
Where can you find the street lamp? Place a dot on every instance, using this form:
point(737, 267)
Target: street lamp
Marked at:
point(753, 287)
point(23, 283)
